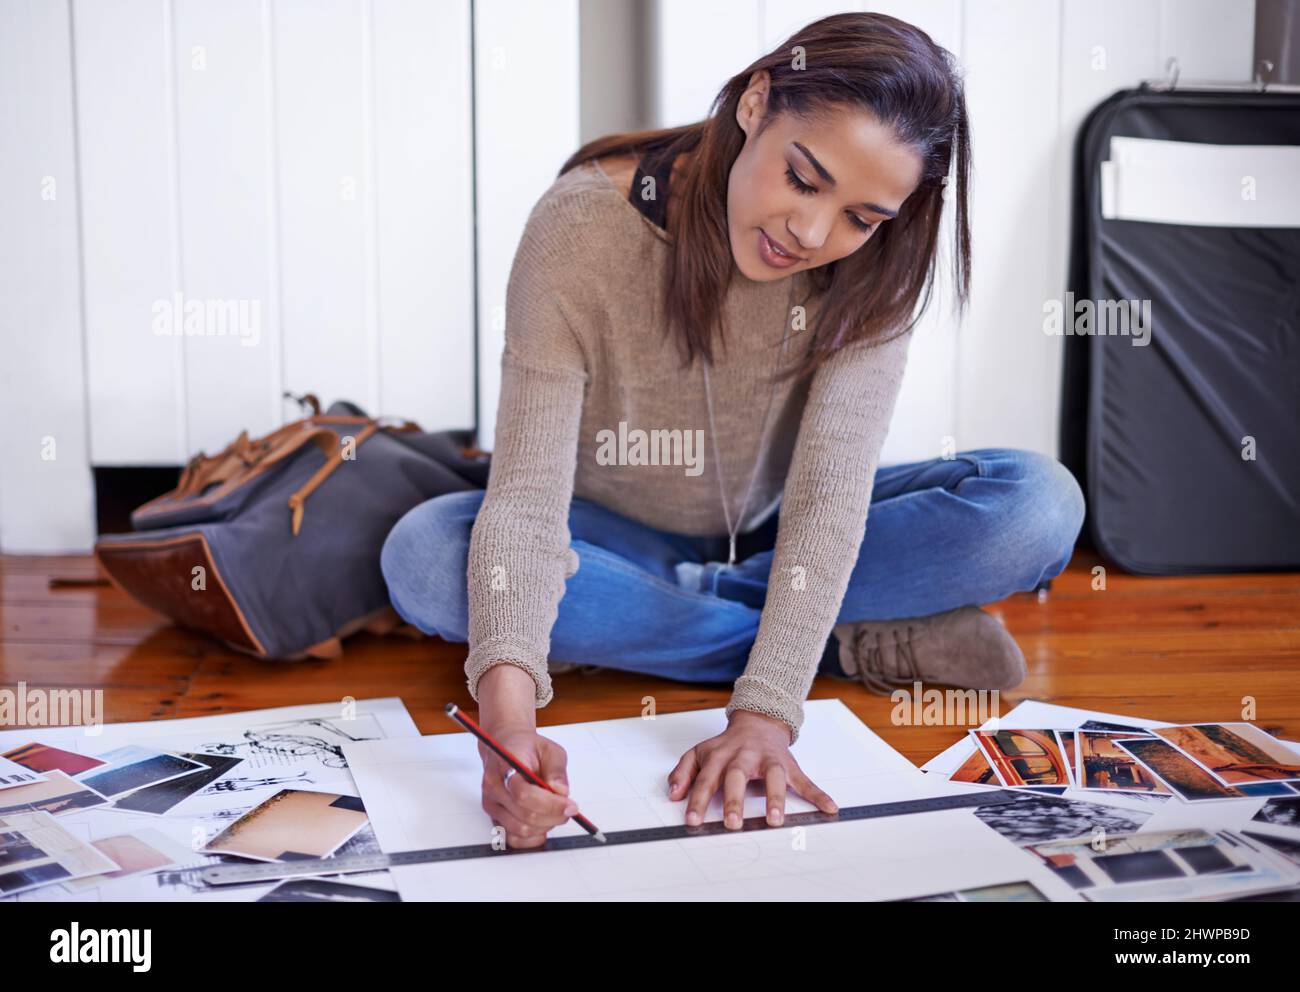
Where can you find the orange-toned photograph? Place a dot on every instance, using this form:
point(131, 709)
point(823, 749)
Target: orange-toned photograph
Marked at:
point(1188, 780)
point(976, 770)
point(292, 824)
point(1024, 757)
point(1103, 764)
point(1235, 753)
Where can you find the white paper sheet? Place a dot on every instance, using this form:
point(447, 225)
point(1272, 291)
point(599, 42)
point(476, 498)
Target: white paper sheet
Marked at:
point(286, 747)
point(1189, 182)
point(425, 793)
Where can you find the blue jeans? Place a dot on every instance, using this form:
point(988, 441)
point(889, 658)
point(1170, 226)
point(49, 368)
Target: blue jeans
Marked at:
point(940, 534)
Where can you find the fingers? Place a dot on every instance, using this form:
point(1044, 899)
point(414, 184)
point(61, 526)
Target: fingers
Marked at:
point(533, 804)
point(551, 769)
point(776, 784)
point(732, 776)
point(527, 811)
point(527, 814)
point(804, 786)
point(733, 796)
point(518, 834)
point(706, 784)
point(681, 777)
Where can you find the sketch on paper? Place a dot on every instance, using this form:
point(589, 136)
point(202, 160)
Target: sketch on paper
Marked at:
point(311, 740)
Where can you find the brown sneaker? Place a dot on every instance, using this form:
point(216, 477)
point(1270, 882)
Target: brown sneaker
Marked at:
point(964, 647)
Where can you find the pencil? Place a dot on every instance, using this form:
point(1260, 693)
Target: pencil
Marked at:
point(459, 716)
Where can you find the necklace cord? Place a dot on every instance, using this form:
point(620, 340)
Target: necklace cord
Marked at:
point(713, 431)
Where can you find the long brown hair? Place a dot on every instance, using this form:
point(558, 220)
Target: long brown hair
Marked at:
point(862, 60)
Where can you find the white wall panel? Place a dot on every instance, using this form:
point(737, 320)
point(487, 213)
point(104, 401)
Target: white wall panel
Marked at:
point(1212, 39)
point(224, 154)
point(782, 18)
point(299, 170)
point(1011, 56)
point(131, 258)
point(700, 46)
point(526, 104)
point(423, 166)
point(325, 199)
point(46, 500)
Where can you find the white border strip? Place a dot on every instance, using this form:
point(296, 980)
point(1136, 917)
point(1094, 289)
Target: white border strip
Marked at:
point(1185, 182)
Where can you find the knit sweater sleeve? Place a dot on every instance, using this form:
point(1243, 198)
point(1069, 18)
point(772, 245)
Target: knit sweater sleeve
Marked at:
point(823, 517)
point(519, 553)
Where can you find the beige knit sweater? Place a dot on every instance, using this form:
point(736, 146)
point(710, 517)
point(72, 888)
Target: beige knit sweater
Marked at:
point(586, 352)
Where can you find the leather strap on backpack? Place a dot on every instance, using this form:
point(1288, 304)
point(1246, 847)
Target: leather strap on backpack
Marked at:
point(298, 501)
point(207, 478)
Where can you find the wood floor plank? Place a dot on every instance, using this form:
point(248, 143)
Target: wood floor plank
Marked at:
point(1179, 648)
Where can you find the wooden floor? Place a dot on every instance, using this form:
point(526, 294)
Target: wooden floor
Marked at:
point(1177, 649)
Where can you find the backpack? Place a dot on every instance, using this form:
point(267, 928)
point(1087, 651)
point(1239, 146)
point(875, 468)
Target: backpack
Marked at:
point(272, 546)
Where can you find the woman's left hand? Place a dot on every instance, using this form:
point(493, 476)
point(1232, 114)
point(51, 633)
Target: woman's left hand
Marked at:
point(752, 747)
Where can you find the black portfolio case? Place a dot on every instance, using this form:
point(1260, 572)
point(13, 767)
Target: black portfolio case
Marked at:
point(1188, 447)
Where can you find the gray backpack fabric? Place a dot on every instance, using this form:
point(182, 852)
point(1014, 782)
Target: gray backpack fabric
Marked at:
point(273, 545)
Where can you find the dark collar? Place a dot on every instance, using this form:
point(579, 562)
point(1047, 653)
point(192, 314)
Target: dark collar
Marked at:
point(655, 209)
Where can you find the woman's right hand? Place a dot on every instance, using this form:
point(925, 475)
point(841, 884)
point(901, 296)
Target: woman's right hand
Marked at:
point(525, 811)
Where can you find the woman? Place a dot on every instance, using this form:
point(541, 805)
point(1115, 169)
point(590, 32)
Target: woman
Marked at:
point(662, 500)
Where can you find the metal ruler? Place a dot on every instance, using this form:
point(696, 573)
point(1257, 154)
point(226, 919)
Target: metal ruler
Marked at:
point(271, 871)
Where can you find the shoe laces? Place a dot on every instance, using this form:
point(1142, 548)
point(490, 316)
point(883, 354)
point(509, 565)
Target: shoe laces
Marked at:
point(869, 648)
